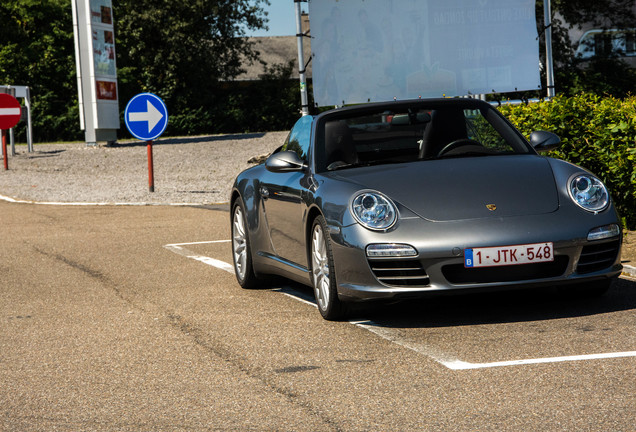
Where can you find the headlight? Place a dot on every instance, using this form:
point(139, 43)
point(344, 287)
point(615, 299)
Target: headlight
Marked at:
point(373, 210)
point(589, 193)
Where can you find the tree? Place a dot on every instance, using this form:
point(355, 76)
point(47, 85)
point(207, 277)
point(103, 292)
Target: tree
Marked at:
point(605, 74)
point(36, 50)
point(617, 13)
point(177, 49)
point(182, 50)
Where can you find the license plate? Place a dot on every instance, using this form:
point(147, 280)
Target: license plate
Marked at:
point(508, 255)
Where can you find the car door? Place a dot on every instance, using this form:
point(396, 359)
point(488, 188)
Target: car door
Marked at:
point(282, 198)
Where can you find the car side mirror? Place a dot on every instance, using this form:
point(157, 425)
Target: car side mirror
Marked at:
point(543, 141)
point(286, 161)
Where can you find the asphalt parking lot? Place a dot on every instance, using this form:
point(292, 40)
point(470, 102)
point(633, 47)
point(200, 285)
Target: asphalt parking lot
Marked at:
point(129, 318)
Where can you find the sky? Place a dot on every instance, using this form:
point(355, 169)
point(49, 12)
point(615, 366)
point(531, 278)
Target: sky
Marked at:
point(282, 19)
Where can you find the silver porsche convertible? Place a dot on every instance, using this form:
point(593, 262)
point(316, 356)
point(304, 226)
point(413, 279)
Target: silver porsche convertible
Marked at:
point(403, 199)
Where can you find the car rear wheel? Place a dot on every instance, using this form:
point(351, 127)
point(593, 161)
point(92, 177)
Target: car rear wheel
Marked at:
point(241, 251)
point(323, 274)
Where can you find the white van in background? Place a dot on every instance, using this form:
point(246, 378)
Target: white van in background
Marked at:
point(603, 42)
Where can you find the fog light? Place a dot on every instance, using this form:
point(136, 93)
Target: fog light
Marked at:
point(390, 250)
point(604, 232)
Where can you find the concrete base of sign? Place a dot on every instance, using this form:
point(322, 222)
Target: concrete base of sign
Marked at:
point(100, 135)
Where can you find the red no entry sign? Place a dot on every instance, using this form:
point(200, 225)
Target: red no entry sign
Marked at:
point(10, 111)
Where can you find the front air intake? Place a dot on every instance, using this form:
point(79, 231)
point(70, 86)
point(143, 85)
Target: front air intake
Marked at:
point(598, 257)
point(399, 272)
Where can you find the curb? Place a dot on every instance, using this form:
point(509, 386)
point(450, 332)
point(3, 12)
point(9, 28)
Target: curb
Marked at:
point(629, 271)
point(87, 204)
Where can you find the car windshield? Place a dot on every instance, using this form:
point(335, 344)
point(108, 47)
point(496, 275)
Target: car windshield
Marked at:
point(415, 133)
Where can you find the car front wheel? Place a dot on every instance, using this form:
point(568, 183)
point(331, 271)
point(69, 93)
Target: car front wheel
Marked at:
point(323, 274)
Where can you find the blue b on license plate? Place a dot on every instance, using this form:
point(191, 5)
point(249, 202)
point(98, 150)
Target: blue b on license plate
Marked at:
point(508, 255)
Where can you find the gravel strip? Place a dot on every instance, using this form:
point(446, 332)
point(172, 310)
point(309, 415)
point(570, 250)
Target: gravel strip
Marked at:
point(195, 170)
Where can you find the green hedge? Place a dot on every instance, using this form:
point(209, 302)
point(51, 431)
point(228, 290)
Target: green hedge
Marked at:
point(597, 133)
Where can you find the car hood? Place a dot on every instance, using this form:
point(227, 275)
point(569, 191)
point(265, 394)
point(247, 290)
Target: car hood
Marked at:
point(467, 188)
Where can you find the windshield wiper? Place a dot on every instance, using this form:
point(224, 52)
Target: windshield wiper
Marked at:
point(380, 162)
point(341, 165)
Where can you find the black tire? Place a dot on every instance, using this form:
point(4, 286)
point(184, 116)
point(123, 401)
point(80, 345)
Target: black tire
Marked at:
point(241, 250)
point(323, 275)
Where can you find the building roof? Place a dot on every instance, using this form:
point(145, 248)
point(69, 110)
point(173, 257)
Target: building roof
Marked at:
point(276, 50)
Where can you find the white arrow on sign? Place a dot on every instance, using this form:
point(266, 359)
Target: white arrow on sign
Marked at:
point(152, 115)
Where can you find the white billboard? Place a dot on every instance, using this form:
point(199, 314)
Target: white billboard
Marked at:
point(377, 50)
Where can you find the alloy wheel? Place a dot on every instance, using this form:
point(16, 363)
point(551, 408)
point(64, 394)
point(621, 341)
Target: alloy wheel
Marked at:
point(320, 267)
point(239, 243)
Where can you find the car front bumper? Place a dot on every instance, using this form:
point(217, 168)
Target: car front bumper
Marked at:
point(438, 266)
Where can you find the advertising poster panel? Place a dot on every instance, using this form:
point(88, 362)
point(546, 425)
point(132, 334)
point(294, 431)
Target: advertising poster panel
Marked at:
point(376, 50)
point(96, 69)
point(103, 38)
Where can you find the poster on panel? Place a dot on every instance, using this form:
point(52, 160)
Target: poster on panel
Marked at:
point(93, 28)
point(377, 50)
point(104, 63)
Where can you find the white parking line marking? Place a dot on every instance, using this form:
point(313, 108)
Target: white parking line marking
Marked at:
point(461, 365)
point(179, 249)
point(295, 296)
point(392, 335)
point(199, 242)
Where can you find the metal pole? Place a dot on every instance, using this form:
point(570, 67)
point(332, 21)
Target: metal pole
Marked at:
point(151, 171)
point(27, 103)
point(549, 66)
point(301, 60)
point(12, 141)
point(4, 150)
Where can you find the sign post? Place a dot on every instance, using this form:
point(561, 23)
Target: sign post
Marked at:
point(146, 118)
point(10, 113)
point(21, 92)
point(151, 169)
point(304, 95)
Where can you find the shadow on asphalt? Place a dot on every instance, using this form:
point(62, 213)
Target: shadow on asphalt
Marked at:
point(503, 307)
point(219, 207)
point(484, 308)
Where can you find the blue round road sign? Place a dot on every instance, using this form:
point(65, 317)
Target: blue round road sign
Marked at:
point(146, 116)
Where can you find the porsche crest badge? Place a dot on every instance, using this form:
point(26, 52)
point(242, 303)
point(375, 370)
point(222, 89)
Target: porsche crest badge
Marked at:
point(491, 207)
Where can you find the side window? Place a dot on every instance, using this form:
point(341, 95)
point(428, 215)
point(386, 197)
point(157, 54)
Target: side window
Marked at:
point(479, 129)
point(299, 137)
